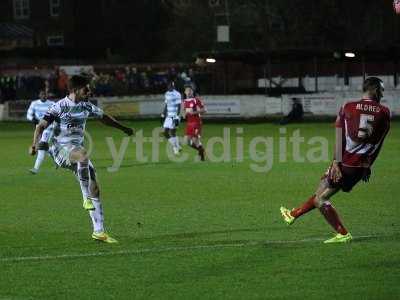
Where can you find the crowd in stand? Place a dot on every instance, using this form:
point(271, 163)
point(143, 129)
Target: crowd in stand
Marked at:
point(107, 82)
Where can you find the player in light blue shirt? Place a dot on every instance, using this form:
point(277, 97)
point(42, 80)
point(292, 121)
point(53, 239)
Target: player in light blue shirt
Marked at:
point(37, 110)
point(171, 113)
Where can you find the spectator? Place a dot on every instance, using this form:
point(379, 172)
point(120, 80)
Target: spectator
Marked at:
point(8, 88)
point(119, 76)
point(145, 81)
point(296, 114)
point(62, 83)
point(131, 79)
point(103, 85)
point(193, 80)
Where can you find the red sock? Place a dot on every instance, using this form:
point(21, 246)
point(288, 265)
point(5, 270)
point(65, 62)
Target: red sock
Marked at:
point(331, 216)
point(201, 152)
point(305, 208)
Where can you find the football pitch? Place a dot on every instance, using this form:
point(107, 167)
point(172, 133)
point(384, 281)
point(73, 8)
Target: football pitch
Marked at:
point(193, 230)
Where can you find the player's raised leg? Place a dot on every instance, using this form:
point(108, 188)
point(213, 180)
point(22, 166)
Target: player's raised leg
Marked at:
point(290, 216)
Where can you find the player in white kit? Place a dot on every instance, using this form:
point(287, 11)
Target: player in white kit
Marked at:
point(36, 112)
point(70, 115)
point(171, 113)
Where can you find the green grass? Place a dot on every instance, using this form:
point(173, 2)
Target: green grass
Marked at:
point(194, 230)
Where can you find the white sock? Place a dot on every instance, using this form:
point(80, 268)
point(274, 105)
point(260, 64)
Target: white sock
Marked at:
point(171, 140)
point(83, 177)
point(39, 159)
point(177, 142)
point(97, 216)
point(84, 189)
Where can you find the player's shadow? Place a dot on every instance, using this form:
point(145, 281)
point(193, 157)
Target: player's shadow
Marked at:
point(318, 241)
point(135, 165)
point(193, 235)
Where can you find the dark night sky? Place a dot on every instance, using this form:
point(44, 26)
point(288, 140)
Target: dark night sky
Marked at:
point(173, 30)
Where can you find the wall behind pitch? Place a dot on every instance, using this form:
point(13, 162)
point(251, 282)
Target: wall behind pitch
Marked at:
point(227, 106)
point(3, 114)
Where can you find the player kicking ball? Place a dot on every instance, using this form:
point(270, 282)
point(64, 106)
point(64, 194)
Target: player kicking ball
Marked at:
point(36, 112)
point(70, 115)
point(361, 128)
point(171, 113)
point(194, 107)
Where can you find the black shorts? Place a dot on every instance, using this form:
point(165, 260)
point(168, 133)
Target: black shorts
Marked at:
point(350, 177)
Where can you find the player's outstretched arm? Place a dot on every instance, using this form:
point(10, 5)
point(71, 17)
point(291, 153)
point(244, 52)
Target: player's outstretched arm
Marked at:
point(30, 115)
point(338, 144)
point(43, 124)
point(110, 121)
point(385, 130)
point(202, 107)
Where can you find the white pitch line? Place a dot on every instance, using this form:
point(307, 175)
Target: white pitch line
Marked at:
point(165, 249)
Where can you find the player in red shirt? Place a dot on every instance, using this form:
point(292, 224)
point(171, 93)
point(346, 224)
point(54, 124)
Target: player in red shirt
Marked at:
point(361, 128)
point(193, 107)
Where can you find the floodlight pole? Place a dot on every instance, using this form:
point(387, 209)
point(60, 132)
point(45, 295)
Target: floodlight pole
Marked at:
point(227, 12)
point(316, 73)
point(265, 81)
point(267, 75)
point(270, 72)
point(363, 67)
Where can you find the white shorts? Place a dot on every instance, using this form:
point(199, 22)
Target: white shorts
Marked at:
point(61, 155)
point(169, 123)
point(47, 135)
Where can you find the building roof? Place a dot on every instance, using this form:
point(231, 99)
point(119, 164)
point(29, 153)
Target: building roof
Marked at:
point(257, 56)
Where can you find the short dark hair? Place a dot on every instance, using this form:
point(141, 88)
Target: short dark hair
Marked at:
point(171, 84)
point(77, 82)
point(188, 85)
point(372, 84)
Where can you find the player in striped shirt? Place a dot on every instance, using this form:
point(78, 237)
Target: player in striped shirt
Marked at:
point(36, 112)
point(70, 115)
point(171, 113)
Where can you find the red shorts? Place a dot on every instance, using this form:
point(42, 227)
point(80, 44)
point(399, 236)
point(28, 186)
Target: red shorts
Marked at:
point(193, 129)
point(350, 177)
